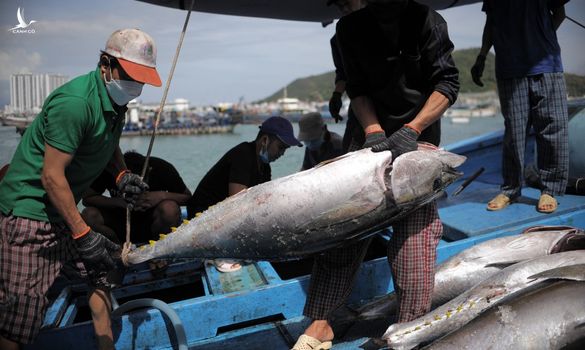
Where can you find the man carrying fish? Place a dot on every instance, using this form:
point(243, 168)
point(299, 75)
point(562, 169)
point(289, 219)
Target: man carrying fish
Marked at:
point(244, 166)
point(400, 78)
point(72, 140)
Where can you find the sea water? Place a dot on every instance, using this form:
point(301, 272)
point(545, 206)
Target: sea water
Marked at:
point(194, 155)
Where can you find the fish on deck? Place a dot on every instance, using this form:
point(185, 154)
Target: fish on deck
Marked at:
point(551, 317)
point(467, 306)
point(473, 265)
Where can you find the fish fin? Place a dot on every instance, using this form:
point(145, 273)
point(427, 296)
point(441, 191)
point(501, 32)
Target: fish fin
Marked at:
point(374, 344)
point(325, 162)
point(378, 308)
point(571, 272)
point(503, 264)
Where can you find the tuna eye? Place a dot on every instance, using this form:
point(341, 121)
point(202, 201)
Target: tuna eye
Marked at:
point(437, 184)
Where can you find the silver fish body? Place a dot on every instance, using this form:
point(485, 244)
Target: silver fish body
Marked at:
point(467, 306)
point(549, 318)
point(473, 265)
point(313, 210)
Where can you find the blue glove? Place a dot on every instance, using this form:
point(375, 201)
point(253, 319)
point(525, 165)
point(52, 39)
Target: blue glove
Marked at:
point(400, 142)
point(129, 183)
point(335, 105)
point(374, 138)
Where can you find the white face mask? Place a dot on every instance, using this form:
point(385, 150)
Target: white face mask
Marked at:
point(122, 91)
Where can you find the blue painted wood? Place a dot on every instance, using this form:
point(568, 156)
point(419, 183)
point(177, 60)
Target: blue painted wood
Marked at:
point(57, 308)
point(470, 218)
point(250, 276)
point(70, 314)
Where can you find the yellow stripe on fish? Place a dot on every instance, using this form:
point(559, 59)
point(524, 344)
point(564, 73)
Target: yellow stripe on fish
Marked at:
point(447, 315)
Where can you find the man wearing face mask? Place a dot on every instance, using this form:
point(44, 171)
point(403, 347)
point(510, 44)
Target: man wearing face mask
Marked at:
point(400, 78)
point(321, 144)
point(244, 166)
point(72, 140)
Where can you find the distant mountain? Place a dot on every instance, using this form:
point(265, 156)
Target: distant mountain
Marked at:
point(313, 88)
point(319, 87)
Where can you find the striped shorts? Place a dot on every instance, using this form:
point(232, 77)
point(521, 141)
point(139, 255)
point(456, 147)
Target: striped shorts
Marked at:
point(31, 256)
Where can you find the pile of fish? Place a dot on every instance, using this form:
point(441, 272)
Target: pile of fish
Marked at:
point(502, 293)
point(344, 199)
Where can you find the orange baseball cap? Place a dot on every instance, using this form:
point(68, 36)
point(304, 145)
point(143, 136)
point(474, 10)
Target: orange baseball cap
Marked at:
point(136, 52)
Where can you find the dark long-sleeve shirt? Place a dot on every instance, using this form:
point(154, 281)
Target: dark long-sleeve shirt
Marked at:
point(398, 67)
point(337, 61)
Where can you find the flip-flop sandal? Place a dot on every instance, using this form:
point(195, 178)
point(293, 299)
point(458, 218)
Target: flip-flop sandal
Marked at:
point(226, 265)
point(499, 202)
point(306, 342)
point(546, 200)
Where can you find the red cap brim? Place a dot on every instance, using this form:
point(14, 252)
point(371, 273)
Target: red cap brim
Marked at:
point(140, 73)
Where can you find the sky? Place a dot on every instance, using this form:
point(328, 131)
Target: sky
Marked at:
point(224, 58)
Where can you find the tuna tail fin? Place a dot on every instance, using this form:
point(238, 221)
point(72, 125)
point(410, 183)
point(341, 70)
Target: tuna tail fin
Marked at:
point(572, 272)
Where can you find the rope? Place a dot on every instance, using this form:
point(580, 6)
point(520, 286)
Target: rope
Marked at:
point(128, 244)
point(574, 21)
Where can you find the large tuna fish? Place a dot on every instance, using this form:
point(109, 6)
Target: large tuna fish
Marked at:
point(551, 317)
point(317, 209)
point(471, 266)
point(469, 305)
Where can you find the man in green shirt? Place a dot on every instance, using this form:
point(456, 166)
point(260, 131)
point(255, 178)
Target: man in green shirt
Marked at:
point(72, 140)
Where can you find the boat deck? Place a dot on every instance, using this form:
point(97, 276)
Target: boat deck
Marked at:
point(261, 305)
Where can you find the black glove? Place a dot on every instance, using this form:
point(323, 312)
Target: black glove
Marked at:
point(335, 105)
point(374, 138)
point(95, 251)
point(400, 142)
point(129, 183)
point(477, 70)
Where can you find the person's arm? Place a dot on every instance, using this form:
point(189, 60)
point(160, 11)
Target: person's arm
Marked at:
point(432, 111)
point(335, 101)
point(486, 45)
point(117, 163)
point(151, 199)
point(339, 86)
point(486, 37)
point(93, 199)
point(235, 188)
point(126, 181)
point(557, 16)
point(57, 188)
point(364, 110)
point(441, 72)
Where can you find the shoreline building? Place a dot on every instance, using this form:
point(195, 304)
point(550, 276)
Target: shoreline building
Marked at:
point(28, 91)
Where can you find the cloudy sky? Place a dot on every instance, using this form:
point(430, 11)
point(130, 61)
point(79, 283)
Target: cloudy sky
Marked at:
point(223, 57)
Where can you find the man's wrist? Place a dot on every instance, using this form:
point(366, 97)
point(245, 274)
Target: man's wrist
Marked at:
point(81, 233)
point(373, 129)
point(413, 128)
point(337, 94)
point(121, 174)
point(481, 57)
